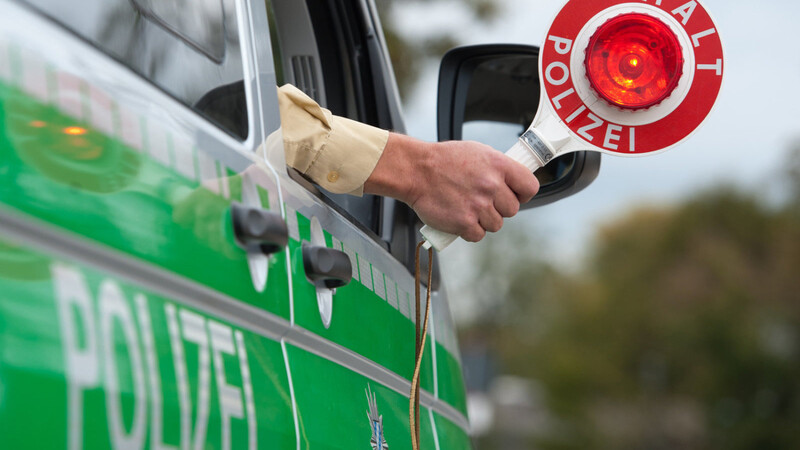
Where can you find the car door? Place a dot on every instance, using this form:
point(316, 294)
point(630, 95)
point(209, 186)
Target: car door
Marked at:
point(351, 349)
point(129, 316)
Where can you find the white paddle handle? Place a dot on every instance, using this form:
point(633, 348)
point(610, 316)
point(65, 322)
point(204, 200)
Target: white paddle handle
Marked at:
point(520, 153)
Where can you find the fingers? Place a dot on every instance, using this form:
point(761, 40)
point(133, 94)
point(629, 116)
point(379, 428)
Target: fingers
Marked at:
point(467, 188)
point(506, 203)
point(474, 233)
point(491, 220)
point(521, 181)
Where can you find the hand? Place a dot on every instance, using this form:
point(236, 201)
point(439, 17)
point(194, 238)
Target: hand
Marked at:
point(464, 188)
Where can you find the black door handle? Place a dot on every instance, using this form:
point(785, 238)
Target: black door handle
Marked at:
point(326, 267)
point(258, 229)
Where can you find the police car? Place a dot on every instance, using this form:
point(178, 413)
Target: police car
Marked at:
point(166, 282)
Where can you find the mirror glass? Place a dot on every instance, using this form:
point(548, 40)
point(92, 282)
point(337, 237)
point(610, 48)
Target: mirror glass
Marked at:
point(502, 97)
point(499, 135)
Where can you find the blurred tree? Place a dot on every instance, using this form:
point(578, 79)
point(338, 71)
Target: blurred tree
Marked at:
point(793, 174)
point(682, 333)
point(409, 52)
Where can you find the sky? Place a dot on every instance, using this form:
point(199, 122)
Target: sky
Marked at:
point(742, 143)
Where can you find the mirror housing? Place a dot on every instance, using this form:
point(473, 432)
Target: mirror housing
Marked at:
point(498, 85)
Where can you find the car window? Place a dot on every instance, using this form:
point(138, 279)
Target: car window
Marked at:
point(195, 21)
point(190, 49)
point(320, 48)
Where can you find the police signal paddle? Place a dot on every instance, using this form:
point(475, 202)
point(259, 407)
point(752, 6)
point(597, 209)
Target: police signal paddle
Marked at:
point(622, 78)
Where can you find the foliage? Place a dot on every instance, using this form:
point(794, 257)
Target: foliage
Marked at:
point(683, 332)
point(410, 53)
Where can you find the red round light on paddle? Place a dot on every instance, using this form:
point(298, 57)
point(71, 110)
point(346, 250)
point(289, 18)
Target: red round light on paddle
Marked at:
point(634, 61)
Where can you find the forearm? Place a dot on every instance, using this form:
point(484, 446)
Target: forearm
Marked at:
point(404, 161)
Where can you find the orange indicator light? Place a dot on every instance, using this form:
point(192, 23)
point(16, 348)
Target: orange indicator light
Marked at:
point(37, 124)
point(75, 131)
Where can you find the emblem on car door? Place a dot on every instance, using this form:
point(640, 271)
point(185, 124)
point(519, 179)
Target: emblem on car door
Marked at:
point(377, 441)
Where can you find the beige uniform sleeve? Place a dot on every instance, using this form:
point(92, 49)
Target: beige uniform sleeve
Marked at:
point(337, 153)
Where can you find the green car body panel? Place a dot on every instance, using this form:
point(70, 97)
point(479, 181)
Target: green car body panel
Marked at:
point(129, 317)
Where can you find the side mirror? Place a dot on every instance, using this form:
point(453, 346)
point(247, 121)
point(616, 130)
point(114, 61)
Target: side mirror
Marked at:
point(490, 94)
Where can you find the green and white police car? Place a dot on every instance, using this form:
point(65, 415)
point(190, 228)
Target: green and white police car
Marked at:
point(165, 281)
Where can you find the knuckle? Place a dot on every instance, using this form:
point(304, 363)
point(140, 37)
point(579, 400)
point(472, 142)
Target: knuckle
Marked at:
point(486, 184)
point(474, 234)
point(466, 219)
point(495, 226)
point(508, 205)
point(499, 159)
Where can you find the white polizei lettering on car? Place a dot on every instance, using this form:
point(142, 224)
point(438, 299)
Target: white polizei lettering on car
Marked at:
point(101, 111)
point(70, 95)
point(194, 331)
point(658, 2)
point(130, 131)
point(157, 145)
point(336, 244)
point(562, 45)
point(697, 36)
point(80, 352)
point(34, 77)
point(353, 260)
point(208, 172)
point(548, 73)
point(632, 143)
point(685, 11)
point(391, 293)
point(611, 136)
point(557, 99)
point(114, 311)
point(576, 113)
point(230, 397)
point(717, 67)
point(365, 272)
point(380, 282)
point(89, 341)
point(184, 156)
point(179, 359)
point(153, 376)
point(584, 130)
point(247, 387)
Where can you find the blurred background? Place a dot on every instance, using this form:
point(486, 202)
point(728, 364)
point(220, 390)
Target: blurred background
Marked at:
point(660, 307)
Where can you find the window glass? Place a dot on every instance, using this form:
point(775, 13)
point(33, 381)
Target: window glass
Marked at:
point(188, 48)
point(347, 77)
point(199, 22)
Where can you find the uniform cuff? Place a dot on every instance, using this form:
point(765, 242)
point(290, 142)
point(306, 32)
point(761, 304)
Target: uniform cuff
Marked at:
point(348, 157)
